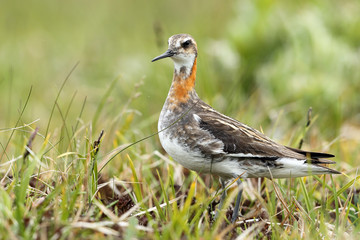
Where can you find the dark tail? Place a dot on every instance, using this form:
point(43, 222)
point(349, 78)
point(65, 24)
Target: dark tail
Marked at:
point(317, 158)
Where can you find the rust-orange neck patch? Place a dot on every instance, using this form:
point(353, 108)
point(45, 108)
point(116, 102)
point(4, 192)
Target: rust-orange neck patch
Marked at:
point(182, 86)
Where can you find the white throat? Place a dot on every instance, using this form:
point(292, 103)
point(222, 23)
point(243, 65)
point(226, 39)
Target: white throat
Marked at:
point(184, 64)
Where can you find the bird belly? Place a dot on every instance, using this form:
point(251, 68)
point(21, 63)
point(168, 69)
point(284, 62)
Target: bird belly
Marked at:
point(181, 153)
point(194, 160)
point(228, 168)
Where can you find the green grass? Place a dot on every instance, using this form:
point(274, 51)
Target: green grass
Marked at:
point(70, 69)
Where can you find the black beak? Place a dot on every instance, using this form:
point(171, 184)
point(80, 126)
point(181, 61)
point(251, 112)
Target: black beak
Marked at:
point(168, 53)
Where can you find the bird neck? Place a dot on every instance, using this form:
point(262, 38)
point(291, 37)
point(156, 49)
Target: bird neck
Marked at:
point(183, 84)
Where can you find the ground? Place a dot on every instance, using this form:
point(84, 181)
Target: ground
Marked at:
point(70, 70)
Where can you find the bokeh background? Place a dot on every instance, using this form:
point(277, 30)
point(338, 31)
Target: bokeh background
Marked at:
point(274, 57)
point(73, 68)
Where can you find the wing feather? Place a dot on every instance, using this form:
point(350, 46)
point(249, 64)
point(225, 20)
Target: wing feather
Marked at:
point(242, 141)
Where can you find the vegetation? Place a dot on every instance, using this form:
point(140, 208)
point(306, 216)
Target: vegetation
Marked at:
point(70, 69)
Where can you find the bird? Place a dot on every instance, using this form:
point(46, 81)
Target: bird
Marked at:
point(206, 141)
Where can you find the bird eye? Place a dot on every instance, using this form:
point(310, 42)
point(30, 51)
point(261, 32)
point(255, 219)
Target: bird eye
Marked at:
point(186, 43)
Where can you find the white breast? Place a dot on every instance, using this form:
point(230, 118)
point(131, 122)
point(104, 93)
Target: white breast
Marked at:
point(181, 153)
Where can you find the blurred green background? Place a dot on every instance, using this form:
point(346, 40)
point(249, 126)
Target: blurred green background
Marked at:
point(262, 62)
